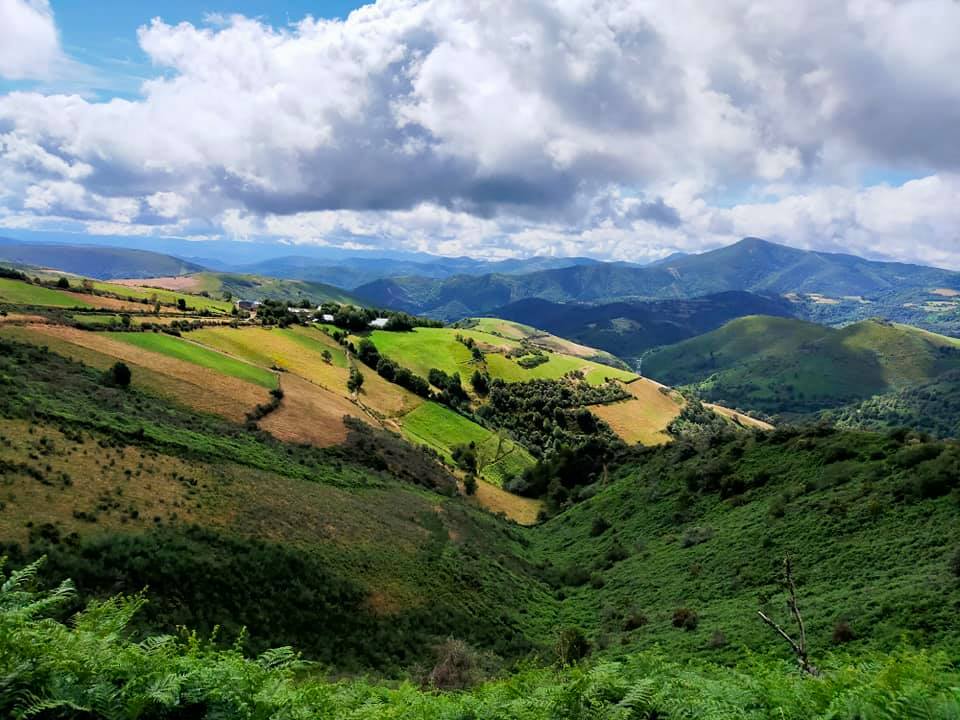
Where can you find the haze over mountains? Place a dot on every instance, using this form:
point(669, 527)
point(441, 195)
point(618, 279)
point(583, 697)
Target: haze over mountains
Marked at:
point(752, 265)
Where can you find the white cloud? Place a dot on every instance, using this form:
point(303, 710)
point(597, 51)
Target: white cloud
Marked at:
point(596, 127)
point(29, 47)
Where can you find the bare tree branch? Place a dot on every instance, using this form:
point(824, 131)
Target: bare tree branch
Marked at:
point(799, 647)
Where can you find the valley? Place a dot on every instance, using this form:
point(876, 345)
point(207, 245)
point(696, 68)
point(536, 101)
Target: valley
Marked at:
point(487, 481)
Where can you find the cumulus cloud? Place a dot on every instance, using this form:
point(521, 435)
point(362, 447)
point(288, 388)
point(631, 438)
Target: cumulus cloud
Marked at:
point(29, 47)
point(600, 127)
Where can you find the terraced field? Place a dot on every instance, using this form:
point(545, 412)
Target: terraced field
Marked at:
point(426, 348)
point(187, 383)
point(144, 291)
point(442, 429)
point(191, 352)
point(17, 292)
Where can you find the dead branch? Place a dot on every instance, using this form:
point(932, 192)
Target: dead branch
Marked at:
point(799, 647)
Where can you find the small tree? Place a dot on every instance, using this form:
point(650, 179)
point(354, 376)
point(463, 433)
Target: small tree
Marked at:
point(63, 284)
point(327, 356)
point(470, 484)
point(572, 646)
point(181, 304)
point(480, 383)
point(125, 320)
point(355, 381)
point(119, 375)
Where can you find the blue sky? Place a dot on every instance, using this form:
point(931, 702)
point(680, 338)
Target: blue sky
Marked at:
point(102, 35)
point(502, 129)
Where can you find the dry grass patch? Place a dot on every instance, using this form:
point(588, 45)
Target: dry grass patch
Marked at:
point(183, 283)
point(497, 500)
point(739, 418)
point(645, 417)
point(310, 414)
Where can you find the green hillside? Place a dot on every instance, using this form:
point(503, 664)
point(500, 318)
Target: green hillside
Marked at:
point(95, 261)
point(751, 265)
point(258, 287)
point(782, 365)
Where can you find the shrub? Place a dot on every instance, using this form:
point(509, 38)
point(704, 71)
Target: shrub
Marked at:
point(118, 376)
point(955, 563)
point(470, 484)
point(572, 646)
point(599, 527)
point(685, 619)
point(457, 666)
point(355, 381)
point(696, 536)
point(634, 620)
point(717, 640)
point(63, 284)
point(842, 633)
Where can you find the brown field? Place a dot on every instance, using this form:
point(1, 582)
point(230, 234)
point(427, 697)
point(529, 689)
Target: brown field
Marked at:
point(519, 509)
point(740, 418)
point(645, 418)
point(183, 283)
point(130, 489)
point(19, 319)
point(310, 414)
point(191, 385)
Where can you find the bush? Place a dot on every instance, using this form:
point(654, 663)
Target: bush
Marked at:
point(842, 633)
point(118, 376)
point(63, 284)
point(599, 527)
point(696, 536)
point(685, 619)
point(457, 666)
point(572, 646)
point(634, 620)
point(717, 640)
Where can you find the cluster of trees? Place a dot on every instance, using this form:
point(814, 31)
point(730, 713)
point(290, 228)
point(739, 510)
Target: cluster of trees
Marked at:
point(547, 415)
point(11, 274)
point(389, 370)
point(353, 318)
point(451, 391)
point(471, 344)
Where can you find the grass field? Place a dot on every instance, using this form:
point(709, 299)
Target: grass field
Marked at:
point(426, 348)
point(442, 429)
point(167, 297)
point(18, 292)
point(181, 349)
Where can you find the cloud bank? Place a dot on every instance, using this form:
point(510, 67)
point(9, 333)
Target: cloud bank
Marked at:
point(613, 128)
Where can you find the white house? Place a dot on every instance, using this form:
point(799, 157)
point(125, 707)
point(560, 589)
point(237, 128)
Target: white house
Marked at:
point(379, 323)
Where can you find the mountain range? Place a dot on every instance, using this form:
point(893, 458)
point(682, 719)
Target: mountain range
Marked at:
point(95, 261)
point(752, 265)
point(627, 329)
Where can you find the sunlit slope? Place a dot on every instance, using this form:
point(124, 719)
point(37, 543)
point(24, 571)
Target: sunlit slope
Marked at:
point(785, 365)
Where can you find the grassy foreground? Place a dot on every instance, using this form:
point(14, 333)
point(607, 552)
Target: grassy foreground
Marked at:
point(90, 668)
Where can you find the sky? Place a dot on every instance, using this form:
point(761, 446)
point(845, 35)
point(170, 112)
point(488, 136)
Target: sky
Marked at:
point(616, 129)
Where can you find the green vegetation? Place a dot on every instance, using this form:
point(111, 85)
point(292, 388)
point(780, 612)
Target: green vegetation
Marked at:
point(91, 669)
point(18, 292)
point(255, 287)
point(780, 365)
point(191, 352)
point(165, 297)
point(932, 407)
point(498, 458)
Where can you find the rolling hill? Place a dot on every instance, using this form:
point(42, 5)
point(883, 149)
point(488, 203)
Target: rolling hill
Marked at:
point(247, 287)
point(783, 365)
point(351, 272)
point(94, 261)
point(751, 265)
point(627, 329)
